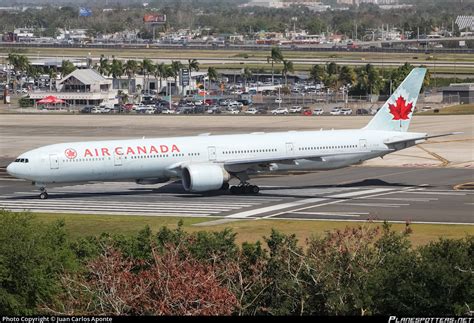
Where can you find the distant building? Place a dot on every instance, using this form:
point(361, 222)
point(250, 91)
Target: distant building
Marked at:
point(82, 87)
point(463, 91)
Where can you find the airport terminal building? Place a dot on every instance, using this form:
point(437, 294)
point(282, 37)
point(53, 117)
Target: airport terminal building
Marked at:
point(82, 87)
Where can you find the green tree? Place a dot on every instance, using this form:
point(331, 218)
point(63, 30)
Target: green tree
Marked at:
point(193, 65)
point(247, 74)
point(32, 257)
point(318, 73)
point(103, 67)
point(176, 66)
point(116, 68)
point(212, 75)
point(67, 67)
point(347, 75)
point(287, 68)
point(130, 68)
point(276, 56)
point(146, 68)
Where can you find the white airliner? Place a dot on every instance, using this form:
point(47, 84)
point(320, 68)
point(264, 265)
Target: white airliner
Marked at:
point(206, 162)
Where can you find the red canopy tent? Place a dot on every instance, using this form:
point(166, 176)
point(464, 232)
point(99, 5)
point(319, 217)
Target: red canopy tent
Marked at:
point(51, 99)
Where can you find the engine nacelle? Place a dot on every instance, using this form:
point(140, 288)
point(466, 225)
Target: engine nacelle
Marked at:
point(203, 177)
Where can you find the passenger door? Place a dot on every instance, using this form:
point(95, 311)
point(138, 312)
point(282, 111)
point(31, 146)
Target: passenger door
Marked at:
point(290, 150)
point(117, 159)
point(54, 161)
point(212, 153)
point(363, 144)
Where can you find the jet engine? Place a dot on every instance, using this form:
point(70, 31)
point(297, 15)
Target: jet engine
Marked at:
point(203, 177)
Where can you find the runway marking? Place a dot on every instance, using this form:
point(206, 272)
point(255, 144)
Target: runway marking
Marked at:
point(357, 193)
point(428, 199)
point(272, 208)
point(123, 209)
point(138, 204)
point(375, 204)
point(246, 214)
point(329, 214)
point(117, 206)
point(387, 191)
point(438, 193)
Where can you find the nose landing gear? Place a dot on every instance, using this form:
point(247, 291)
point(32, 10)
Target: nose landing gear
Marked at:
point(43, 195)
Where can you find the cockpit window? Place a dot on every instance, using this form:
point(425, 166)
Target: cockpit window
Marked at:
point(21, 160)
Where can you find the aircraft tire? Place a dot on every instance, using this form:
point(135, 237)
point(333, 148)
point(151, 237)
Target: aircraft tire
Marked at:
point(247, 189)
point(255, 189)
point(43, 196)
point(225, 186)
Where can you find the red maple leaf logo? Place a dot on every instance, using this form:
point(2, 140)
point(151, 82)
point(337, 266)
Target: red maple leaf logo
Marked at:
point(400, 110)
point(70, 153)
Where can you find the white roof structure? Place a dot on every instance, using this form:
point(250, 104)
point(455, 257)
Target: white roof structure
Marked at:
point(464, 22)
point(87, 76)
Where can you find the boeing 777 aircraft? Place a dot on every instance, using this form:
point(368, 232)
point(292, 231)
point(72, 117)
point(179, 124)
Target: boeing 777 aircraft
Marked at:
point(207, 163)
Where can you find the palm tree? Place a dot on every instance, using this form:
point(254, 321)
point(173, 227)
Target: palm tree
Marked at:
point(130, 68)
point(103, 67)
point(176, 66)
point(246, 75)
point(193, 64)
point(212, 75)
point(318, 73)
point(147, 68)
point(160, 72)
point(20, 64)
point(67, 67)
point(116, 68)
point(287, 68)
point(276, 56)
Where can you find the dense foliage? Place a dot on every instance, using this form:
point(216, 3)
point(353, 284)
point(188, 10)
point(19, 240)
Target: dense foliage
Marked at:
point(364, 270)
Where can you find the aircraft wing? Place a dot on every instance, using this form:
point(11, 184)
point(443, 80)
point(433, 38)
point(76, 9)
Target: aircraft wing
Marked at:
point(291, 159)
point(398, 140)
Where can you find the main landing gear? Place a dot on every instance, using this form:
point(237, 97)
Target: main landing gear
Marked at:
point(244, 188)
point(43, 195)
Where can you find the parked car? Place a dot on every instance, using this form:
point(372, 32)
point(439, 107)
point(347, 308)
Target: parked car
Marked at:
point(307, 112)
point(296, 109)
point(96, 110)
point(426, 108)
point(362, 112)
point(346, 111)
point(214, 110)
point(318, 111)
point(262, 111)
point(168, 111)
point(280, 111)
point(335, 111)
point(87, 109)
point(251, 111)
point(233, 111)
point(105, 109)
point(149, 110)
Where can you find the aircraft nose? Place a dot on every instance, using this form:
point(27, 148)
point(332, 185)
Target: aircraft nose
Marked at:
point(11, 169)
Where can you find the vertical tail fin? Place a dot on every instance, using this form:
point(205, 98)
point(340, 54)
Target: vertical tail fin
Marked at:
point(397, 112)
